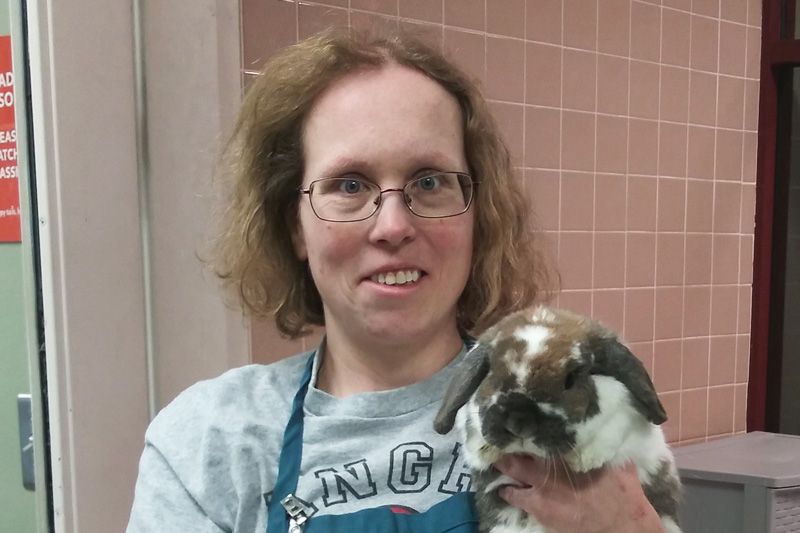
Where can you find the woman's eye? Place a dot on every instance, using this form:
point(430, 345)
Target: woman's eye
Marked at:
point(351, 186)
point(428, 183)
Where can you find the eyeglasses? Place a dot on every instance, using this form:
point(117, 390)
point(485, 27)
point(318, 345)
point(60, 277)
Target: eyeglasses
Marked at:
point(343, 199)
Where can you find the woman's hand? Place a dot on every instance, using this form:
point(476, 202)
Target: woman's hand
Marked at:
point(563, 501)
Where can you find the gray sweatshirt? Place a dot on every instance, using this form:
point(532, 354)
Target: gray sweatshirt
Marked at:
point(211, 456)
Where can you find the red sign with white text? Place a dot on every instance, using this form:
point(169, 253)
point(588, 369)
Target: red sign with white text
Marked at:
point(9, 182)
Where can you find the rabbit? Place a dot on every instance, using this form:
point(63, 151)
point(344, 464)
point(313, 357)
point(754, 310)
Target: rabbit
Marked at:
point(557, 385)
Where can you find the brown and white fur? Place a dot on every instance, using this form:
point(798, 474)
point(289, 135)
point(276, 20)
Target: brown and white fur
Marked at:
point(560, 386)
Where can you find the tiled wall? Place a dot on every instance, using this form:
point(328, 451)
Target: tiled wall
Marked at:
point(633, 125)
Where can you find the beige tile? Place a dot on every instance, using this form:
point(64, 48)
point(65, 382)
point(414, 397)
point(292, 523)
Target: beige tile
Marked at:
point(639, 314)
point(429, 33)
point(672, 142)
point(746, 260)
point(641, 210)
point(751, 90)
point(683, 5)
point(505, 72)
point(696, 311)
point(734, 10)
point(729, 155)
point(725, 262)
point(701, 152)
point(727, 201)
point(312, 19)
point(613, 26)
point(543, 21)
point(694, 407)
point(740, 408)
point(612, 85)
point(577, 146)
point(609, 261)
point(674, 94)
point(698, 258)
point(667, 364)
point(675, 38)
point(720, 410)
point(669, 258)
point(742, 358)
point(669, 315)
point(706, 7)
point(542, 188)
point(644, 85)
point(745, 308)
point(671, 204)
point(542, 137)
point(577, 193)
point(749, 157)
point(425, 10)
point(510, 118)
point(699, 206)
point(642, 146)
point(580, 80)
point(608, 307)
point(748, 209)
point(575, 260)
point(640, 260)
point(543, 78)
point(730, 102)
point(468, 50)
point(470, 14)
point(695, 362)
point(267, 345)
point(722, 367)
point(576, 301)
point(612, 144)
point(724, 309)
point(705, 37)
point(372, 22)
point(506, 17)
point(580, 24)
point(754, 12)
point(702, 98)
point(732, 49)
point(671, 401)
point(386, 7)
point(645, 31)
point(610, 202)
point(335, 3)
point(267, 27)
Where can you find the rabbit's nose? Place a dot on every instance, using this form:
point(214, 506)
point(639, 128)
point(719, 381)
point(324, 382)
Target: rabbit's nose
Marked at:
point(512, 417)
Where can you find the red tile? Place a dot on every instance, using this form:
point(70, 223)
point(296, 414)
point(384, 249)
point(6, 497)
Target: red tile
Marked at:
point(645, 31)
point(729, 155)
point(642, 146)
point(644, 353)
point(745, 308)
point(669, 314)
point(742, 358)
point(701, 152)
point(730, 102)
point(580, 80)
point(672, 142)
point(699, 205)
point(470, 14)
point(575, 260)
point(612, 144)
point(543, 21)
point(671, 401)
point(372, 22)
point(705, 37)
point(510, 118)
point(542, 137)
point(696, 311)
point(543, 66)
point(675, 38)
point(266, 28)
point(740, 408)
point(683, 5)
point(706, 7)
point(727, 202)
point(695, 362)
point(671, 204)
point(749, 157)
point(642, 202)
point(430, 34)
point(746, 260)
point(506, 17)
point(542, 188)
point(724, 309)
point(698, 259)
point(639, 314)
point(313, 19)
point(577, 193)
point(613, 26)
point(669, 258)
point(722, 366)
point(694, 415)
point(576, 301)
point(610, 202)
point(608, 307)
point(734, 10)
point(667, 365)
point(725, 262)
point(732, 49)
point(674, 94)
point(702, 98)
point(580, 24)
point(468, 50)
point(754, 12)
point(644, 89)
point(609, 260)
point(426, 10)
point(505, 74)
point(612, 85)
point(640, 262)
point(751, 89)
point(386, 7)
point(267, 345)
point(577, 147)
point(720, 410)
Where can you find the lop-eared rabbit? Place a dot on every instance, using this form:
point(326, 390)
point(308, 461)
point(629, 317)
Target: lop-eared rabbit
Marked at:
point(557, 385)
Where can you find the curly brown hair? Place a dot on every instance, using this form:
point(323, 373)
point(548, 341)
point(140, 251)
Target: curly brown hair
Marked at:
point(262, 162)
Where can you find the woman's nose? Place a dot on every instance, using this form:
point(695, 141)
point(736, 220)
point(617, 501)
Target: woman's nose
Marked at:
point(394, 224)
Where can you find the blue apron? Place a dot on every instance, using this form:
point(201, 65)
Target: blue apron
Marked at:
point(287, 514)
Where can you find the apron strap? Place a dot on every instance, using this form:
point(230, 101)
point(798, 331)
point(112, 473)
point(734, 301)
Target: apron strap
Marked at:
point(291, 454)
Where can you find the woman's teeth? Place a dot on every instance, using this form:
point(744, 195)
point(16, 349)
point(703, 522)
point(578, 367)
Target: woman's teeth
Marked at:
point(401, 277)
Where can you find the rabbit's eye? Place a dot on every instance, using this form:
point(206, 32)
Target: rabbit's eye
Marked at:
point(571, 378)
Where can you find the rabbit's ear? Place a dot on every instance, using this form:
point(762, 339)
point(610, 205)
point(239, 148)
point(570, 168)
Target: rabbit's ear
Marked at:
point(616, 360)
point(473, 369)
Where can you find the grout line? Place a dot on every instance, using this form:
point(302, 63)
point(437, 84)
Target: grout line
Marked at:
point(594, 165)
point(627, 185)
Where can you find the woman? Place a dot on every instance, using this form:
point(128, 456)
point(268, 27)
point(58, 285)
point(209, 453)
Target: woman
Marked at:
point(372, 195)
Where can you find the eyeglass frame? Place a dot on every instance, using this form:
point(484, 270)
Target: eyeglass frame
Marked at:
point(308, 191)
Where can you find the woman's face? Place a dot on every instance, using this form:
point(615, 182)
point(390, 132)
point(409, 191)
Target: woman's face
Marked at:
point(387, 126)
